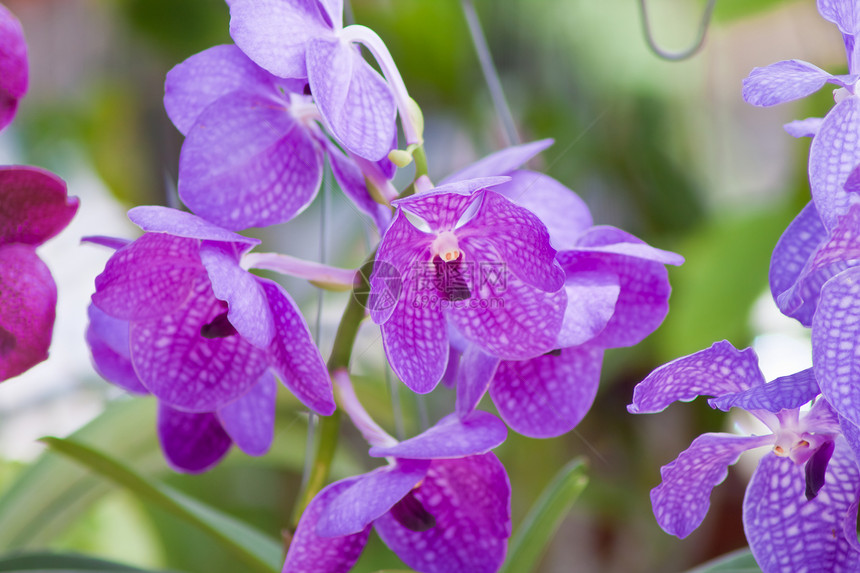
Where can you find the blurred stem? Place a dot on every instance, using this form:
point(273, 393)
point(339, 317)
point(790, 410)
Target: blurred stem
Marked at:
point(420, 158)
point(491, 75)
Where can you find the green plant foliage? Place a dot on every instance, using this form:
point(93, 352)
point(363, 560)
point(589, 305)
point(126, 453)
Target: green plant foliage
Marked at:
point(740, 561)
point(62, 563)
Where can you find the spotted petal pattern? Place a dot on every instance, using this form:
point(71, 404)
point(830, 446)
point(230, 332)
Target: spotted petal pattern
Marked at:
point(786, 392)
point(833, 155)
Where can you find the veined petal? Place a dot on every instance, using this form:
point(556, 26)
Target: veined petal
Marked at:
point(474, 374)
point(836, 343)
point(247, 162)
point(34, 205)
point(501, 162)
point(204, 77)
point(149, 278)
point(28, 297)
point(192, 443)
point(250, 420)
point(451, 437)
point(786, 81)
point(592, 289)
point(355, 102)
point(549, 395)
point(795, 247)
point(293, 354)
point(248, 310)
point(370, 497)
point(851, 433)
point(788, 533)
point(107, 338)
point(186, 370)
point(682, 499)
point(158, 219)
point(14, 73)
point(786, 392)
point(833, 155)
point(275, 33)
point(803, 127)
point(716, 371)
point(469, 498)
point(443, 206)
point(311, 553)
point(843, 13)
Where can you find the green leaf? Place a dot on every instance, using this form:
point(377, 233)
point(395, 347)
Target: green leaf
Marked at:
point(731, 10)
point(257, 551)
point(740, 561)
point(539, 526)
point(64, 562)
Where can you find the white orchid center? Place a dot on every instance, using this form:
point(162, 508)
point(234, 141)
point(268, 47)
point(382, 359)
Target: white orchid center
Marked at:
point(446, 247)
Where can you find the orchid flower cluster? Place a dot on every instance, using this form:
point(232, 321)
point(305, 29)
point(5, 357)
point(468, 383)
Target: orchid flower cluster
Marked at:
point(800, 508)
point(495, 280)
point(34, 206)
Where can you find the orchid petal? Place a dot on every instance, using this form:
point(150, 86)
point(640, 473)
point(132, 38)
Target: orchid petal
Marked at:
point(786, 392)
point(716, 371)
point(808, 127)
point(501, 162)
point(786, 81)
point(108, 340)
point(333, 9)
point(34, 205)
point(250, 420)
point(192, 443)
point(451, 437)
point(475, 372)
point(549, 395)
point(14, 73)
point(158, 219)
point(592, 292)
point(351, 181)
point(612, 241)
point(443, 206)
point(842, 13)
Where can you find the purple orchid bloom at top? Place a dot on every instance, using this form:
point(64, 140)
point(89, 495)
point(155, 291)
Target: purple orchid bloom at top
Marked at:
point(14, 72)
point(441, 504)
point(306, 39)
point(800, 508)
point(203, 332)
point(834, 152)
point(617, 293)
point(253, 154)
point(34, 206)
point(484, 265)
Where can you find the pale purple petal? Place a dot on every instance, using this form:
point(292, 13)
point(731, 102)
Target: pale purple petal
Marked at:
point(158, 219)
point(592, 289)
point(107, 338)
point(803, 127)
point(351, 181)
point(355, 102)
point(795, 247)
point(501, 162)
point(788, 533)
point(371, 496)
point(549, 395)
point(149, 278)
point(470, 500)
point(843, 13)
point(836, 343)
point(333, 10)
point(475, 372)
point(28, 297)
point(833, 155)
point(114, 243)
point(519, 237)
point(509, 318)
point(443, 206)
point(186, 370)
point(609, 240)
point(248, 310)
point(851, 432)
point(823, 418)
point(293, 354)
point(565, 215)
point(682, 499)
point(33, 202)
point(204, 77)
point(450, 437)
point(250, 420)
point(310, 553)
point(248, 162)
point(275, 33)
point(787, 80)
point(14, 73)
point(716, 371)
point(786, 392)
point(192, 443)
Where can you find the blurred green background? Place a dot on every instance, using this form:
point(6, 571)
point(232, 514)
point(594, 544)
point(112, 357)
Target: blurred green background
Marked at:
point(666, 150)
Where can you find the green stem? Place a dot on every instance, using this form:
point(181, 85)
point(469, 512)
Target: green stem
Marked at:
point(420, 159)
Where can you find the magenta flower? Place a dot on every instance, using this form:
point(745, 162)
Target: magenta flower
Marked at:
point(13, 65)
point(800, 508)
point(202, 331)
point(484, 266)
point(253, 154)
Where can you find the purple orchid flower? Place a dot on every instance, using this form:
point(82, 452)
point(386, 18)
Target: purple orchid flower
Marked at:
point(484, 266)
point(253, 154)
point(801, 500)
point(202, 331)
point(441, 504)
point(14, 73)
point(834, 152)
point(617, 294)
point(191, 442)
point(34, 206)
point(306, 39)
